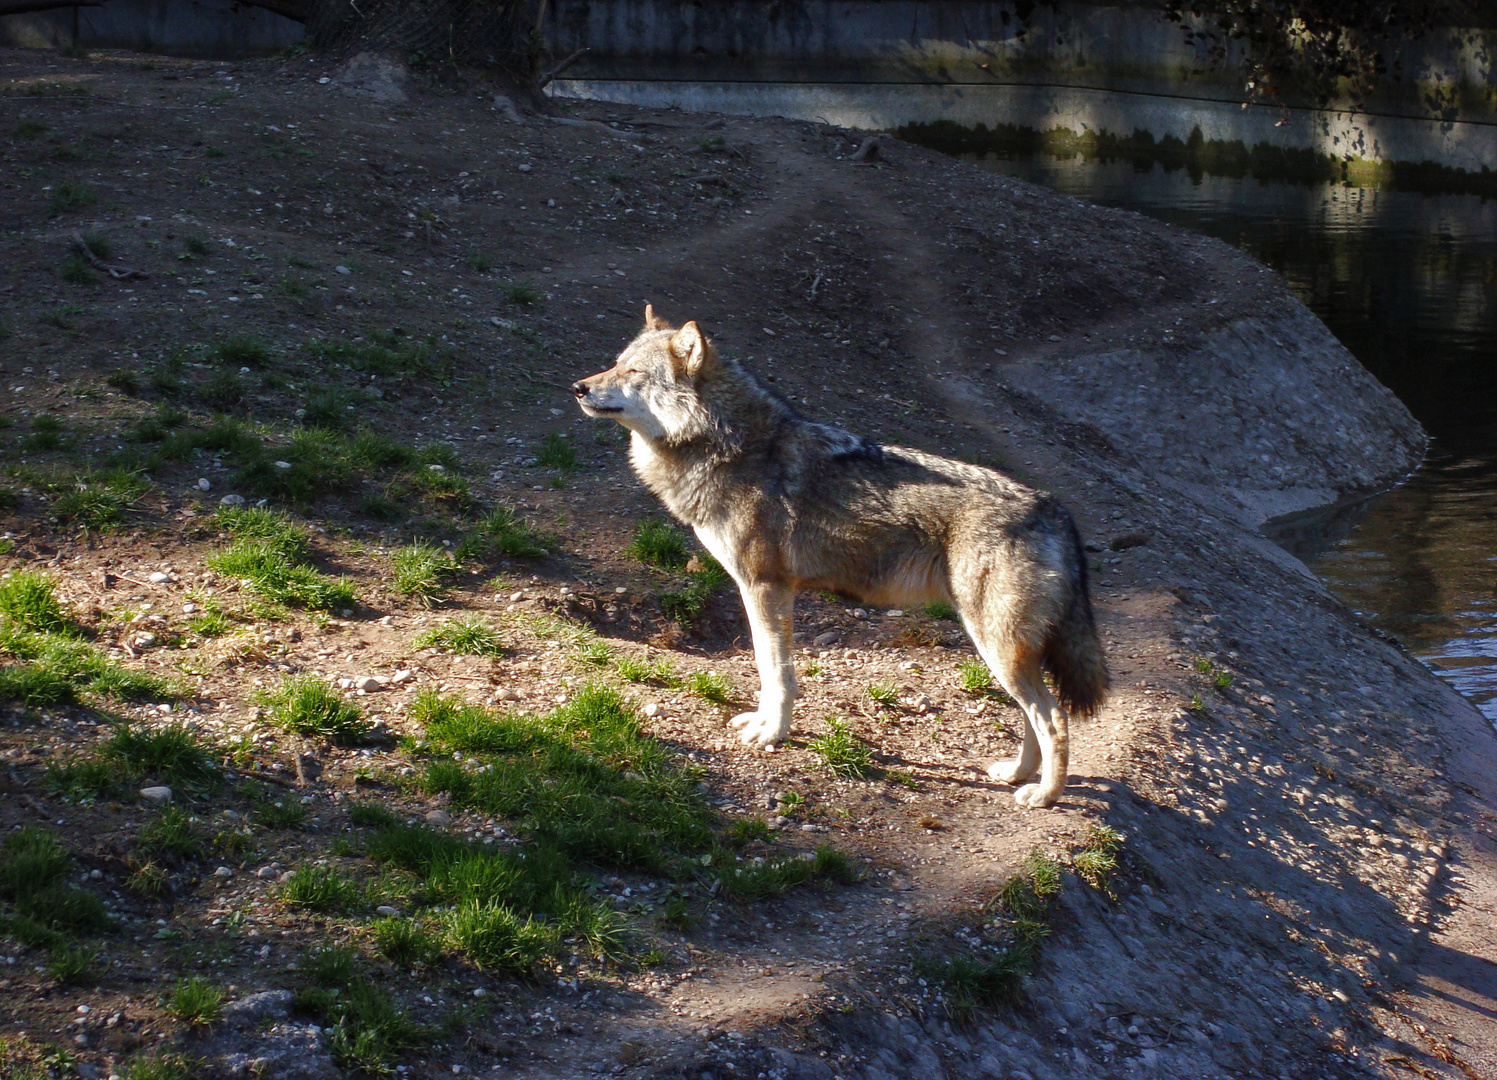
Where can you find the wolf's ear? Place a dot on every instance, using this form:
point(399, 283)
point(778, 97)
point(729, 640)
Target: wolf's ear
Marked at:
point(653, 321)
point(690, 348)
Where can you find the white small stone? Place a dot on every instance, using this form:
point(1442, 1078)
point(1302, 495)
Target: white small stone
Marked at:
point(515, 598)
point(159, 578)
point(204, 484)
point(265, 872)
point(652, 709)
point(524, 168)
point(369, 684)
point(342, 269)
point(894, 613)
point(402, 675)
point(438, 818)
point(505, 693)
point(188, 609)
point(223, 872)
point(387, 911)
point(158, 795)
point(231, 500)
point(479, 992)
point(283, 464)
point(345, 683)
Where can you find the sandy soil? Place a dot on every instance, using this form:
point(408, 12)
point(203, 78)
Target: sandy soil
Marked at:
point(1307, 882)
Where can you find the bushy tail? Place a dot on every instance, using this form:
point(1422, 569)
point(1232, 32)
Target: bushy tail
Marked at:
point(1073, 653)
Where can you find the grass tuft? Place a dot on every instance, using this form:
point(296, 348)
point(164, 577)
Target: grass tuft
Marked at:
point(405, 942)
point(710, 687)
point(28, 599)
point(323, 889)
point(557, 452)
point(1097, 861)
point(659, 544)
point(422, 570)
point(306, 705)
point(502, 533)
point(842, 753)
point(470, 636)
point(657, 672)
point(196, 1001)
point(269, 555)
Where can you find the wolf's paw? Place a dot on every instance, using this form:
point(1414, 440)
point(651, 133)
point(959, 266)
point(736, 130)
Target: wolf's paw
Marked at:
point(1012, 772)
point(763, 730)
point(1035, 795)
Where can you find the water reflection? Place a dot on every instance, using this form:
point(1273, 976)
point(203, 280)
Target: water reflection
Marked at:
point(1409, 283)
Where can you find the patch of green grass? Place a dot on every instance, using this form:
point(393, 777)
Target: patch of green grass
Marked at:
point(422, 569)
point(123, 380)
point(884, 694)
point(224, 390)
point(99, 244)
point(70, 964)
point(659, 544)
point(405, 942)
point(323, 889)
point(975, 676)
point(710, 687)
point(760, 879)
point(685, 605)
point(46, 433)
point(329, 408)
point(28, 599)
point(34, 869)
point(76, 270)
point(244, 350)
point(557, 452)
point(657, 672)
point(389, 354)
point(502, 533)
point(480, 262)
point(523, 293)
point(196, 1001)
point(308, 706)
point(494, 937)
point(81, 780)
point(368, 1030)
point(470, 636)
point(273, 568)
point(41, 669)
point(331, 966)
point(196, 244)
point(172, 836)
point(70, 195)
point(30, 129)
point(940, 609)
point(842, 753)
point(98, 500)
point(283, 813)
point(595, 653)
point(1220, 677)
point(175, 754)
point(1097, 861)
point(159, 1066)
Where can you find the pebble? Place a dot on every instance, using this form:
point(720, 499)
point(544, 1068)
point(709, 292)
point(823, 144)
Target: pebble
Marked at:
point(438, 818)
point(895, 613)
point(504, 693)
point(188, 609)
point(652, 709)
point(826, 639)
point(231, 500)
point(369, 684)
point(160, 795)
point(265, 872)
point(515, 598)
point(283, 464)
point(402, 675)
point(387, 911)
point(524, 168)
point(223, 872)
point(159, 578)
point(204, 484)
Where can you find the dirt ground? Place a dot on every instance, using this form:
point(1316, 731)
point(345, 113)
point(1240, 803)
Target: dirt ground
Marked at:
point(1305, 883)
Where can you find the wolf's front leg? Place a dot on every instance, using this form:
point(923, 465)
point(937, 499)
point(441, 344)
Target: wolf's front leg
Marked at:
point(771, 616)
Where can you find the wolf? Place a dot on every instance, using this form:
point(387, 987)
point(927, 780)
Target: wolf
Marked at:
point(786, 504)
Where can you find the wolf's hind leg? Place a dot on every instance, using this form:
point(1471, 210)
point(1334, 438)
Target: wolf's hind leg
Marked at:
point(1045, 724)
point(771, 613)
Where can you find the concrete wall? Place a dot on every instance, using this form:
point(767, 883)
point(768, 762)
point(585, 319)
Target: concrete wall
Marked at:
point(1082, 66)
point(209, 28)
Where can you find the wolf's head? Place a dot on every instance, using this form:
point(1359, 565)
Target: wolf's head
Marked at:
point(655, 387)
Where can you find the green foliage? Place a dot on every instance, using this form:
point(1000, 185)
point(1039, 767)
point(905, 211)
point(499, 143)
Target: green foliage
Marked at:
point(494, 937)
point(480, 262)
point(331, 966)
point(470, 636)
point(1220, 677)
point(388, 354)
point(760, 879)
point(244, 350)
point(657, 672)
point(33, 885)
point(422, 570)
point(196, 244)
point(842, 753)
point(159, 1067)
point(273, 566)
point(502, 533)
point(99, 244)
point(196, 1001)
point(283, 813)
point(76, 270)
point(368, 1030)
point(523, 293)
point(41, 669)
point(687, 604)
point(28, 599)
point(405, 942)
point(328, 408)
point(223, 390)
point(659, 544)
point(123, 380)
point(975, 676)
point(885, 694)
point(323, 889)
point(940, 609)
point(1097, 861)
point(171, 836)
point(70, 195)
point(306, 705)
point(710, 687)
point(97, 500)
point(70, 964)
point(81, 780)
point(557, 452)
point(174, 754)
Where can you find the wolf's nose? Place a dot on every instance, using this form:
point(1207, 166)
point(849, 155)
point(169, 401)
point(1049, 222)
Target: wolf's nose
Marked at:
point(579, 390)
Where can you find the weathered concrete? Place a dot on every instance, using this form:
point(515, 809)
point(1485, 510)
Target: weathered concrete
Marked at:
point(1084, 67)
point(207, 28)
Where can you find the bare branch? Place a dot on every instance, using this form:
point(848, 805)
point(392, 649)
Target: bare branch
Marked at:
point(559, 68)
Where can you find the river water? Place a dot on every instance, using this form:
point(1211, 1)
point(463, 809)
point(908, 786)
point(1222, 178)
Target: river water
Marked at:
point(1408, 282)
